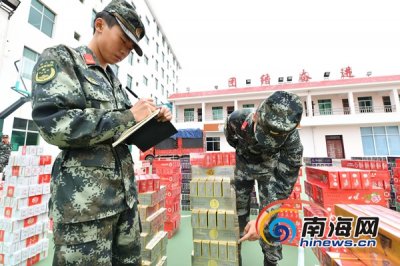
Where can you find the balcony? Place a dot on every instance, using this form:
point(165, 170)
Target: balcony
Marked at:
point(357, 110)
point(327, 116)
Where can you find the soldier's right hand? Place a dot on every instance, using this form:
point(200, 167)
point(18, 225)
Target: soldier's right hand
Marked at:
point(142, 108)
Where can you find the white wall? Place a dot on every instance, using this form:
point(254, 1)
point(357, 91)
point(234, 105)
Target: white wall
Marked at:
point(314, 142)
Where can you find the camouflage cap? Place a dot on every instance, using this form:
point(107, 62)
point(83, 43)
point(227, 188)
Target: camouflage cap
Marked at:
point(277, 116)
point(128, 20)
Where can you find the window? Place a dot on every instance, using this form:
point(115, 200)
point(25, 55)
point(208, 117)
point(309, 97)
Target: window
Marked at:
point(167, 79)
point(41, 18)
point(162, 89)
point(163, 57)
point(365, 104)
point(163, 41)
point(147, 20)
point(115, 69)
point(157, 47)
point(188, 115)
point(156, 65)
point(387, 104)
point(146, 39)
point(130, 58)
point(129, 81)
point(167, 64)
point(93, 17)
point(156, 83)
point(158, 32)
point(29, 59)
point(381, 140)
point(325, 107)
point(24, 132)
point(213, 143)
point(173, 73)
point(145, 80)
point(199, 114)
point(155, 100)
point(146, 59)
point(217, 113)
point(248, 106)
point(162, 72)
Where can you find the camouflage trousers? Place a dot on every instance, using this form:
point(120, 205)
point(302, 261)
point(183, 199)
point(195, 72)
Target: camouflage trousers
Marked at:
point(113, 240)
point(243, 188)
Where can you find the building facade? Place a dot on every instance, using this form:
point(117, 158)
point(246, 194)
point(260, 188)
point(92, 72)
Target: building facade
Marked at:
point(36, 25)
point(342, 118)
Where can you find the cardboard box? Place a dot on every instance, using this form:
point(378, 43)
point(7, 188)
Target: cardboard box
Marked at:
point(388, 239)
point(223, 250)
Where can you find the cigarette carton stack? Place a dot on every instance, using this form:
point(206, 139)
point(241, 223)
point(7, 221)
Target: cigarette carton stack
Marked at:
point(24, 200)
point(317, 161)
point(382, 171)
point(328, 186)
point(214, 218)
point(170, 175)
point(396, 185)
point(152, 214)
point(186, 177)
point(387, 249)
point(142, 168)
point(293, 212)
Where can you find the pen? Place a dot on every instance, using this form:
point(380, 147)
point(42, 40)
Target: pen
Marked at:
point(135, 95)
point(131, 92)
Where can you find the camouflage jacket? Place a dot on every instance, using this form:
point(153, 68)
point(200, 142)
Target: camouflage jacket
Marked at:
point(80, 107)
point(5, 151)
point(279, 163)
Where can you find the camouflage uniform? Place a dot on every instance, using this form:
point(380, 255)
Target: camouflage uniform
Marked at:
point(271, 154)
point(81, 108)
point(5, 151)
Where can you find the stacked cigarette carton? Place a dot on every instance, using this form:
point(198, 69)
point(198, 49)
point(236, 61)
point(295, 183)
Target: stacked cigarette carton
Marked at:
point(24, 200)
point(152, 214)
point(214, 218)
point(186, 177)
point(387, 248)
point(170, 175)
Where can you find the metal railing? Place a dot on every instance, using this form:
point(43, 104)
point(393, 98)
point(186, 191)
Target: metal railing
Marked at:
point(315, 112)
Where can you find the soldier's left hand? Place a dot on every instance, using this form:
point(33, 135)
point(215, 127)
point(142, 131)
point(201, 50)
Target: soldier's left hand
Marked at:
point(164, 115)
point(250, 232)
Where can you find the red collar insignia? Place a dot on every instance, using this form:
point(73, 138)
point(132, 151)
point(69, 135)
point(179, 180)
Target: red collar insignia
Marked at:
point(89, 59)
point(244, 125)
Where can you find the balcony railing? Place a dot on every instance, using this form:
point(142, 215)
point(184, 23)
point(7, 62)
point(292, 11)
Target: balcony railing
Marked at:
point(324, 112)
point(357, 110)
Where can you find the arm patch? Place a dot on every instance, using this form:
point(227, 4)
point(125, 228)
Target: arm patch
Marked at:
point(46, 71)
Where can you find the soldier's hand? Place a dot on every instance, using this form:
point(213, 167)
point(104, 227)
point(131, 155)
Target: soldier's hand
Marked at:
point(250, 232)
point(164, 115)
point(142, 108)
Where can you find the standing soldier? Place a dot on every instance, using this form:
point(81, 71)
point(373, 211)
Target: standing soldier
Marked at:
point(5, 151)
point(80, 106)
point(269, 150)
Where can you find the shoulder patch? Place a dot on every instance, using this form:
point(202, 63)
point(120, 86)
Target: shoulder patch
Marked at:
point(46, 71)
